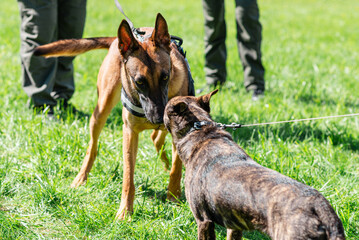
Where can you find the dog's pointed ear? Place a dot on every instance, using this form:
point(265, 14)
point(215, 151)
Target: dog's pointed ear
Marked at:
point(126, 40)
point(180, 107)
point(204, 100)
point(160, 35)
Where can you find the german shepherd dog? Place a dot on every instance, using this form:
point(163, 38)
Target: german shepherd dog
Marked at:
point(225, 186)
point(147, 72)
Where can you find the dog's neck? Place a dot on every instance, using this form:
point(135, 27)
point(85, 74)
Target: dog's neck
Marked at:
point(191, 142)
point(135, 109)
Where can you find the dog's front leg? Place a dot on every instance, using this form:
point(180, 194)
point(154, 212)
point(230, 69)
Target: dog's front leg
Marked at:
point(174, 186)
point(130, 145)
point(206, 230)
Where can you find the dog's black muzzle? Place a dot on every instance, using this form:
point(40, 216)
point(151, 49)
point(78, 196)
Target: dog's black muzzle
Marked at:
point(154, 108)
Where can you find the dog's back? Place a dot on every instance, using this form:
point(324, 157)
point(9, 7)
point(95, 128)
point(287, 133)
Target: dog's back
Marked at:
point(236, 192)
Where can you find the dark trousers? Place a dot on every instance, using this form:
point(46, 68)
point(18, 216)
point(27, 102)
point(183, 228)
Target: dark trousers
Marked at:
point(249, 37)
point(43, 21)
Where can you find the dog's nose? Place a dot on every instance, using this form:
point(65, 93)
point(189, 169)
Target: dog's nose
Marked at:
point(158, 120)
point(154, 117)
point(154, 110)
point(157, 115)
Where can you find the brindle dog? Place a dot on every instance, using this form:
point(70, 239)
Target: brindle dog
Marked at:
point(225, 186)
point(148, 71)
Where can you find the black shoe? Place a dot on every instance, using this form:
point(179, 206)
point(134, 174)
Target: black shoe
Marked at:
point(257, 94)
point(65, 106)
point(46, 110)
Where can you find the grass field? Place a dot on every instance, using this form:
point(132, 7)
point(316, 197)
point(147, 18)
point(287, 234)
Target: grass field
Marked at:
point(311, 55)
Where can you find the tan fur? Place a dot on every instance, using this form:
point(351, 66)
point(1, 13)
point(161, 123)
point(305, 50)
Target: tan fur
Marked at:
point(73, 47)
point(127, 58)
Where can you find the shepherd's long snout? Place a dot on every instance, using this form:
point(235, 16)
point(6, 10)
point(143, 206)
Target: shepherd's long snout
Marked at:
point(154, 108)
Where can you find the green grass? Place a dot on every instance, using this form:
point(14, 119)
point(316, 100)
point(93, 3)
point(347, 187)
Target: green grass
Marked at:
point(311, 55)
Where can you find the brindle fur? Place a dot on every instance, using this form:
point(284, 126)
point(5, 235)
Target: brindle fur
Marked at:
point(225, 186)
point(151, 72)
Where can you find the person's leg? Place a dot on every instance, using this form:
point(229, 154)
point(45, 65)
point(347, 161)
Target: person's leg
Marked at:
point(249, 37)
point(214, 40)
point(38, 27)
point(71, 24)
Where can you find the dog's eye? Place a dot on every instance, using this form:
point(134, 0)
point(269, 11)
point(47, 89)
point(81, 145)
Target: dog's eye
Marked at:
point(139, 81)
point(165, 76)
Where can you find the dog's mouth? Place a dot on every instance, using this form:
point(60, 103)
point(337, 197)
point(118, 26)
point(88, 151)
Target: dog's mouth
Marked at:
point(156, 120)
point(154, 115)
point(154, 109)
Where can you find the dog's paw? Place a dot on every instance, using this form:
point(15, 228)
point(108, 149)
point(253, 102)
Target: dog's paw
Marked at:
point(123, 215)
point(166, 168)
point(79, 180)
point(174, 198)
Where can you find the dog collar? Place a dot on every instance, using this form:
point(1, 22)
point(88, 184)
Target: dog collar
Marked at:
point(199, 125)
point(136, 110)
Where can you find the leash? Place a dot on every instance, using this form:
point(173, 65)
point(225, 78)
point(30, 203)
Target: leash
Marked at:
point(199, 125)
point(135, 31)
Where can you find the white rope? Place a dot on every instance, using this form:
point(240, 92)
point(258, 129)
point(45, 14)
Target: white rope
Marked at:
point(300, 120)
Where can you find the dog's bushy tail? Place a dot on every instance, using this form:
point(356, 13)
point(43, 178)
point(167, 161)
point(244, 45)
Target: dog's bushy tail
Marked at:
point(331, 226)
point(73, 47)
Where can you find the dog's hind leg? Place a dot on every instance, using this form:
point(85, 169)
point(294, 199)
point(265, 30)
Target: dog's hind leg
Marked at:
point(206, 230)
point(234, 234)
point(97, 122)
point(158, 138)
point(109, 93)
point(174, 186)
